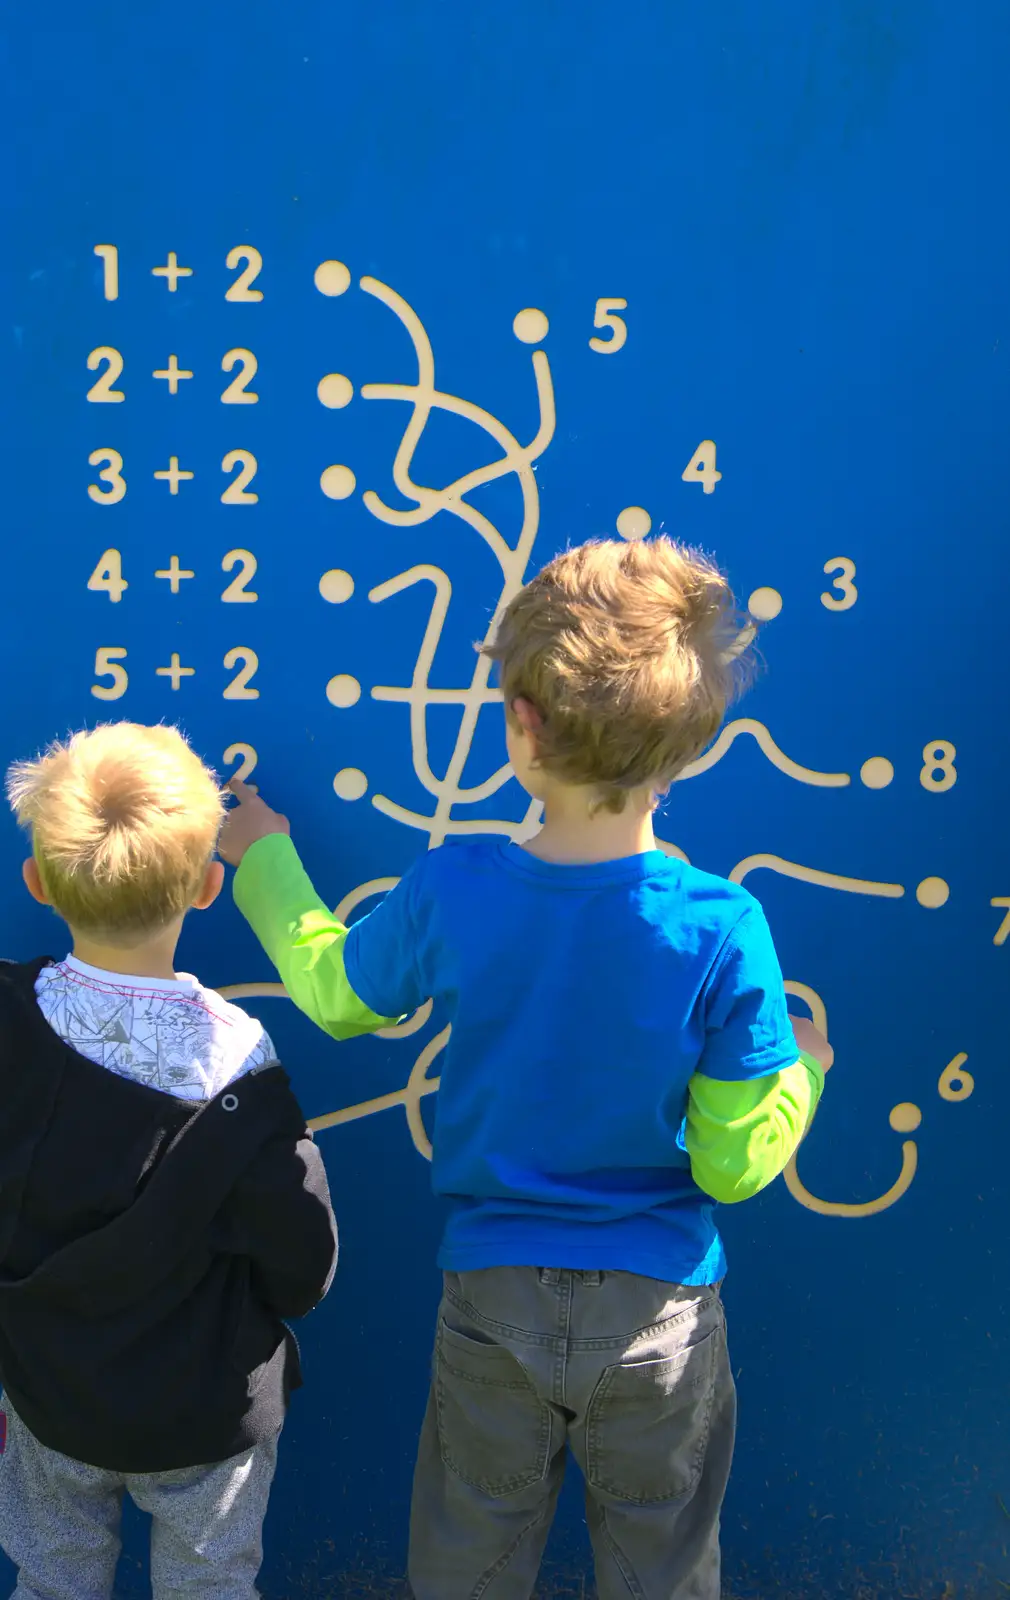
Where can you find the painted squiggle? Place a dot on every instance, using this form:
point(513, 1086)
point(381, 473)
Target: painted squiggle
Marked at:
point(515, 459)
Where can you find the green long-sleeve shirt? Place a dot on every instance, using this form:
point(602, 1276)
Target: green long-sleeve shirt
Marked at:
point(739, 1135)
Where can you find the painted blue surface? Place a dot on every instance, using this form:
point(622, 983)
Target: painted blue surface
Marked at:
point(804, 207)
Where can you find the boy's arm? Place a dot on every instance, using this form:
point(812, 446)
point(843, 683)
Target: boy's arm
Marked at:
point(760, 1075)
point(348, 981)
point(301, 936)
point(741, 1135)
point(279, 1215)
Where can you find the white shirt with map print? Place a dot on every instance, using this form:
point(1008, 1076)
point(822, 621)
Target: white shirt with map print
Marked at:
point(172, 1034)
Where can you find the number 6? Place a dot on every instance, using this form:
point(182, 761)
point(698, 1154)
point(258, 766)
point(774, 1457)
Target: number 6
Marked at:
point(605, 318)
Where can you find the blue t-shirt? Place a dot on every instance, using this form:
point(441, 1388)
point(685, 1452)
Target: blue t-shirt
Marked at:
point(582, 999)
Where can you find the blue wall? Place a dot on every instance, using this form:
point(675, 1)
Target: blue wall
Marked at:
point(804, 207)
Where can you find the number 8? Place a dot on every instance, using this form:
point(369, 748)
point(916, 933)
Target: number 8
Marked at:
point(938, 757)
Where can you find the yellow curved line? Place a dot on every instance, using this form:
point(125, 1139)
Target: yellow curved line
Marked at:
point(516, 458)
point(253, 991)
point(415, 819)
point(824, 880)
point(810, 997)
point(669, 849)
point(425, 656)
point(425, 380)
point(844, 1208)
point(417, 1087)
point(768, 747)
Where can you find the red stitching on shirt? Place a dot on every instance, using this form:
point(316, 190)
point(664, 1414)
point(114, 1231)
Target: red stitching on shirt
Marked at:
point(144, 994)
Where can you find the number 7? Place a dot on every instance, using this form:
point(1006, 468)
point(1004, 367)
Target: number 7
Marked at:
point(1002, 901)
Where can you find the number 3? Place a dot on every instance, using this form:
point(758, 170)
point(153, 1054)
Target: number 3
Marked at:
point(846, 570)
point(605, 318)
point(112, 474)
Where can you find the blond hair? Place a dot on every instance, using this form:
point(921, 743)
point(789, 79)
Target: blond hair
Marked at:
point(630, 654)
point(124, 821)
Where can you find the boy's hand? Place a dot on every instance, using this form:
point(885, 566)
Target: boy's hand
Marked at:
point(810, 1040)
point(250, 820)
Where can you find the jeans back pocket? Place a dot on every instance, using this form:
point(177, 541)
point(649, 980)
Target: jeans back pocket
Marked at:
point(648, 1424)
point(494, 1430)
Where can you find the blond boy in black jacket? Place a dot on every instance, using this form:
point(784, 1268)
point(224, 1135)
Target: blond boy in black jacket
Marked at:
point(162, 1205)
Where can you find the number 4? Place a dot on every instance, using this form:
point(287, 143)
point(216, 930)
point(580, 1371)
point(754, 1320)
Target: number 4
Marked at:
point(701, 467)
point(108, 576)
point(1002, 903)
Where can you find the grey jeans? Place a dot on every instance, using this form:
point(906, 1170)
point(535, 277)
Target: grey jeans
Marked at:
point(629, 1372)
point(59, 1522)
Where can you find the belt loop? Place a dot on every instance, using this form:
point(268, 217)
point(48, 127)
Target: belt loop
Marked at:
point(592, 1280)
point(551, 1276)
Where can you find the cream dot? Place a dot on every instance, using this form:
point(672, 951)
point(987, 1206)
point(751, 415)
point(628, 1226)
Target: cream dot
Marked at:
point(764, 604)
point(530, 325)
point(337, 483)
point(332, 277)
point(905, 1118)
point(933, 892)
point(877, 773)
point(350, 783)
point(343, 691)
point(633, 523)
point(336, 586)
point(335, 391)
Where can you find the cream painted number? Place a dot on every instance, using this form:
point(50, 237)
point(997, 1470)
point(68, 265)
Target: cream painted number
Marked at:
point(102, 391)
point(107, 577)
point(701, 467)
point(618, 328)
point(237, 392)
point(247, 662)
point(236, 591)
point(111, 463)
point(245, 256)
point(107, 659)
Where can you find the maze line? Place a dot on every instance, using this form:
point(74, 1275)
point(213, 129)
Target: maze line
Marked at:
point(516, 458)
point(778, 758)
point(823, 880)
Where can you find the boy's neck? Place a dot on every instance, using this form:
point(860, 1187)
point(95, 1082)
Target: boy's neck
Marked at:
point(150, 958)
point(574, 834)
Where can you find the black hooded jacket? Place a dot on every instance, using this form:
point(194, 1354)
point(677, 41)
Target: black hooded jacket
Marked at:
point(149, 1250)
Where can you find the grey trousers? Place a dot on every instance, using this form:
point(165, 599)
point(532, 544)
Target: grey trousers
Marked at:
point(60, 1520)
point(629, 1372)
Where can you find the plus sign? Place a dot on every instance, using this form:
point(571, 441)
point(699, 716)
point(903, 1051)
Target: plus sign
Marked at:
point(172, 272)
point(173, 573)
point(173, 372)
point(174, 476)
point(175, 671)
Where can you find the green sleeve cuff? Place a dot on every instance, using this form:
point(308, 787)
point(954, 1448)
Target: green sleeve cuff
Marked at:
point(741, 1135)
point(301, 936)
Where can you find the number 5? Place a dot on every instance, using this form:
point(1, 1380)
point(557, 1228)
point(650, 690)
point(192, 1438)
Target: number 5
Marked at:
point(107, 661)
point(605, 318)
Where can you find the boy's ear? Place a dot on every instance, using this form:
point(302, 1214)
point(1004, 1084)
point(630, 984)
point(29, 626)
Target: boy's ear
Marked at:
point(211, 886)
point(33, 881)
point(526, 714)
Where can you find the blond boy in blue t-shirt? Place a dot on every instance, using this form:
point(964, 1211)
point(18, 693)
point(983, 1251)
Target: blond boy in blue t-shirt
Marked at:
point(620, 1058)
